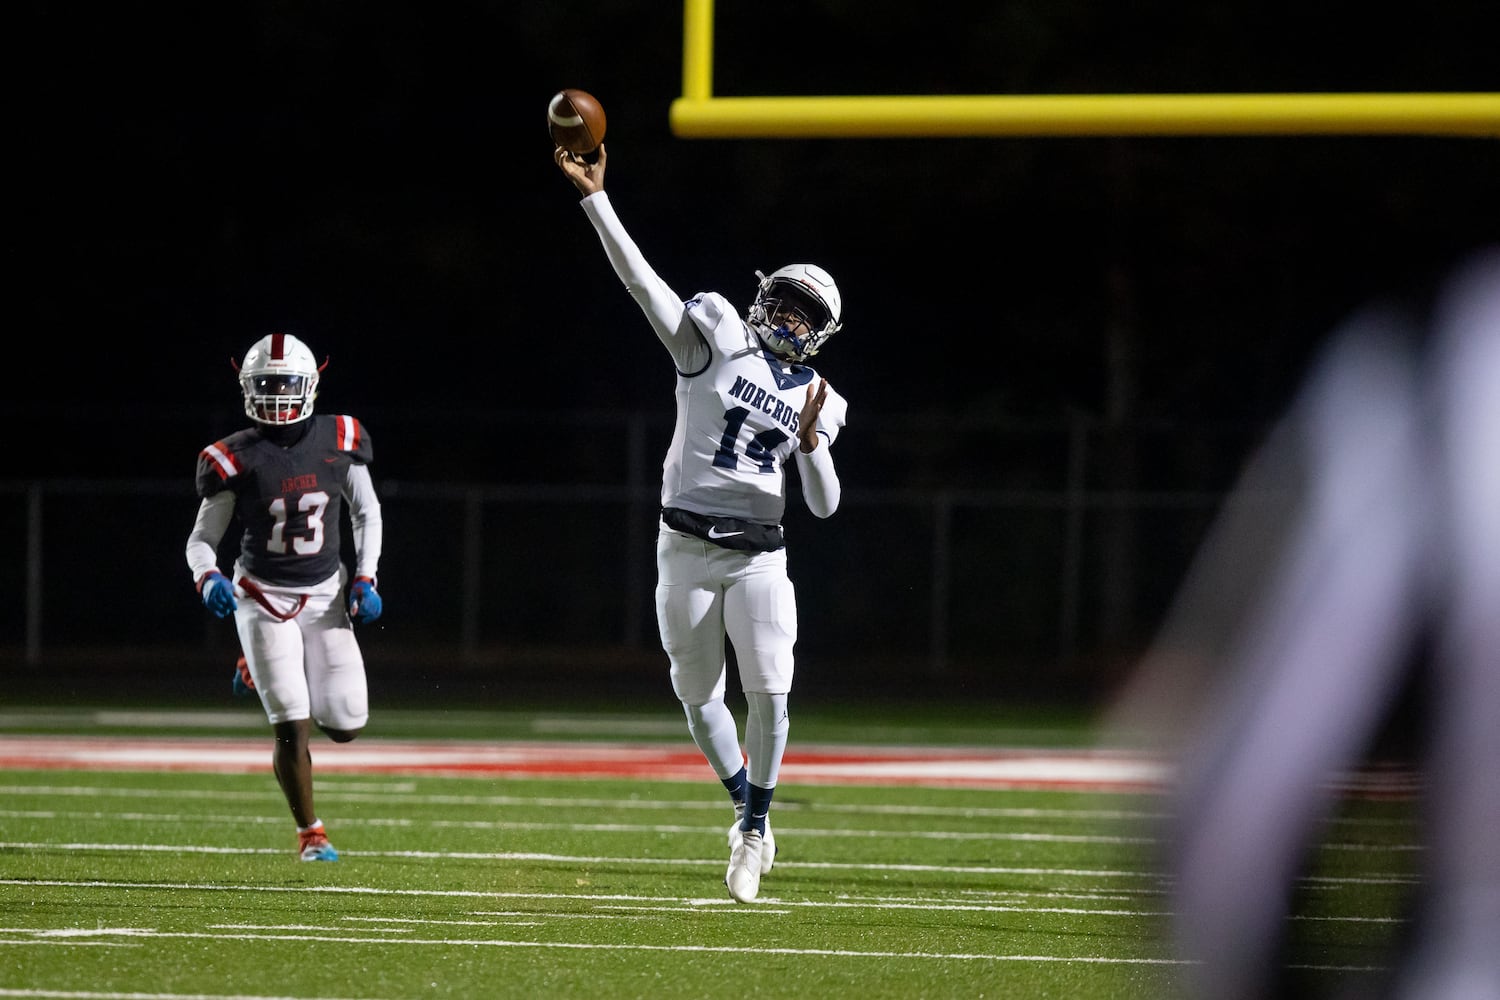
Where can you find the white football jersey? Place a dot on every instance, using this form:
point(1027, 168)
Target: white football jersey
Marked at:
point(738, 404)
point(737, 422)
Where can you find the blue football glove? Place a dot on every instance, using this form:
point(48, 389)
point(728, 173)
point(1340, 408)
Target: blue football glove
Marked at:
point(364, 602)
point(217, 593)
point(242, 683)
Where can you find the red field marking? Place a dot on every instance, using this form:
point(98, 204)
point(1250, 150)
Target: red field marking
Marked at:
point(1080, 770)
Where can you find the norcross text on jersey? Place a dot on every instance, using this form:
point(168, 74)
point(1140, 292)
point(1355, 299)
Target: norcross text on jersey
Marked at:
point(766, 402)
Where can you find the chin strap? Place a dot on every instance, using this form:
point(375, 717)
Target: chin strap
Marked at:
point(798, 344)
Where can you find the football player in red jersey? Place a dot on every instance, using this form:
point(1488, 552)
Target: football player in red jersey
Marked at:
point(287, 478)
point(748, 405)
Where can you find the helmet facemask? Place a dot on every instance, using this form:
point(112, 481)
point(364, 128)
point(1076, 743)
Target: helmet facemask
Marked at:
point(279, 380)
point(275, 398)
point(796, 309)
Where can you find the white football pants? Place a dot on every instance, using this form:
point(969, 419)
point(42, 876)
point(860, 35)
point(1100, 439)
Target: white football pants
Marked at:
point(703, 595)
point(310, 666)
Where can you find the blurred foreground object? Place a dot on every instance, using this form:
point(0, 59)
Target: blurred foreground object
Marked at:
point(1359, 552)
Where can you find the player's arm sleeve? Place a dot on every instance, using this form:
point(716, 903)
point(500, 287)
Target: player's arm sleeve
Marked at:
point(662, 306)
point(214, 514)
point(820, 480)
point(364, 518)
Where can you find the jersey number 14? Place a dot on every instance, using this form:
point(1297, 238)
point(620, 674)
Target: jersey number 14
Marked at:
point(762, 447)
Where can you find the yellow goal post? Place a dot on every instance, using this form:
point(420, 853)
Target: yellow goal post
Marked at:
point(698, 114)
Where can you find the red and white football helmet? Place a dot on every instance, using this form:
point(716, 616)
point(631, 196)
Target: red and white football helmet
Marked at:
point(279, 379)
point(805, 292)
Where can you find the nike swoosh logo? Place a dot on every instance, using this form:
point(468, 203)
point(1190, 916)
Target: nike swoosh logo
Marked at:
point(714, 532)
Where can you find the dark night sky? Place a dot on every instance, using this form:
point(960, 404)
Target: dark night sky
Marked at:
point(376, 176)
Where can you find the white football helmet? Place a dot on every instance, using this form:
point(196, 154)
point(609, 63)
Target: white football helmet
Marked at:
point(799, 292)
point(279, 379)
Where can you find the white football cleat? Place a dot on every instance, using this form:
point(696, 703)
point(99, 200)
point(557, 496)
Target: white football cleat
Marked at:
point(743, 876)
point(768, 845)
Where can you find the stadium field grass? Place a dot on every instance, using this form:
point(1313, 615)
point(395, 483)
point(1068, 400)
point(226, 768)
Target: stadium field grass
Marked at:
point(163, 884)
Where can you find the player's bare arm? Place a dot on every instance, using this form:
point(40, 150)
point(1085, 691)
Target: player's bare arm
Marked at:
point(586, 177)
point(807, 431)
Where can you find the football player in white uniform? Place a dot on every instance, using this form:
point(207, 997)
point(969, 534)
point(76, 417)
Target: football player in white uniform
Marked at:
point(287, 478)
point(747, 405)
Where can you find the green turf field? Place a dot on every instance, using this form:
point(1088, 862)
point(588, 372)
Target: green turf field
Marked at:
point(172, 885)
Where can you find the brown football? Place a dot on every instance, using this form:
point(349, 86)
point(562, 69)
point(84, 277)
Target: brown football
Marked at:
point(575, 121)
